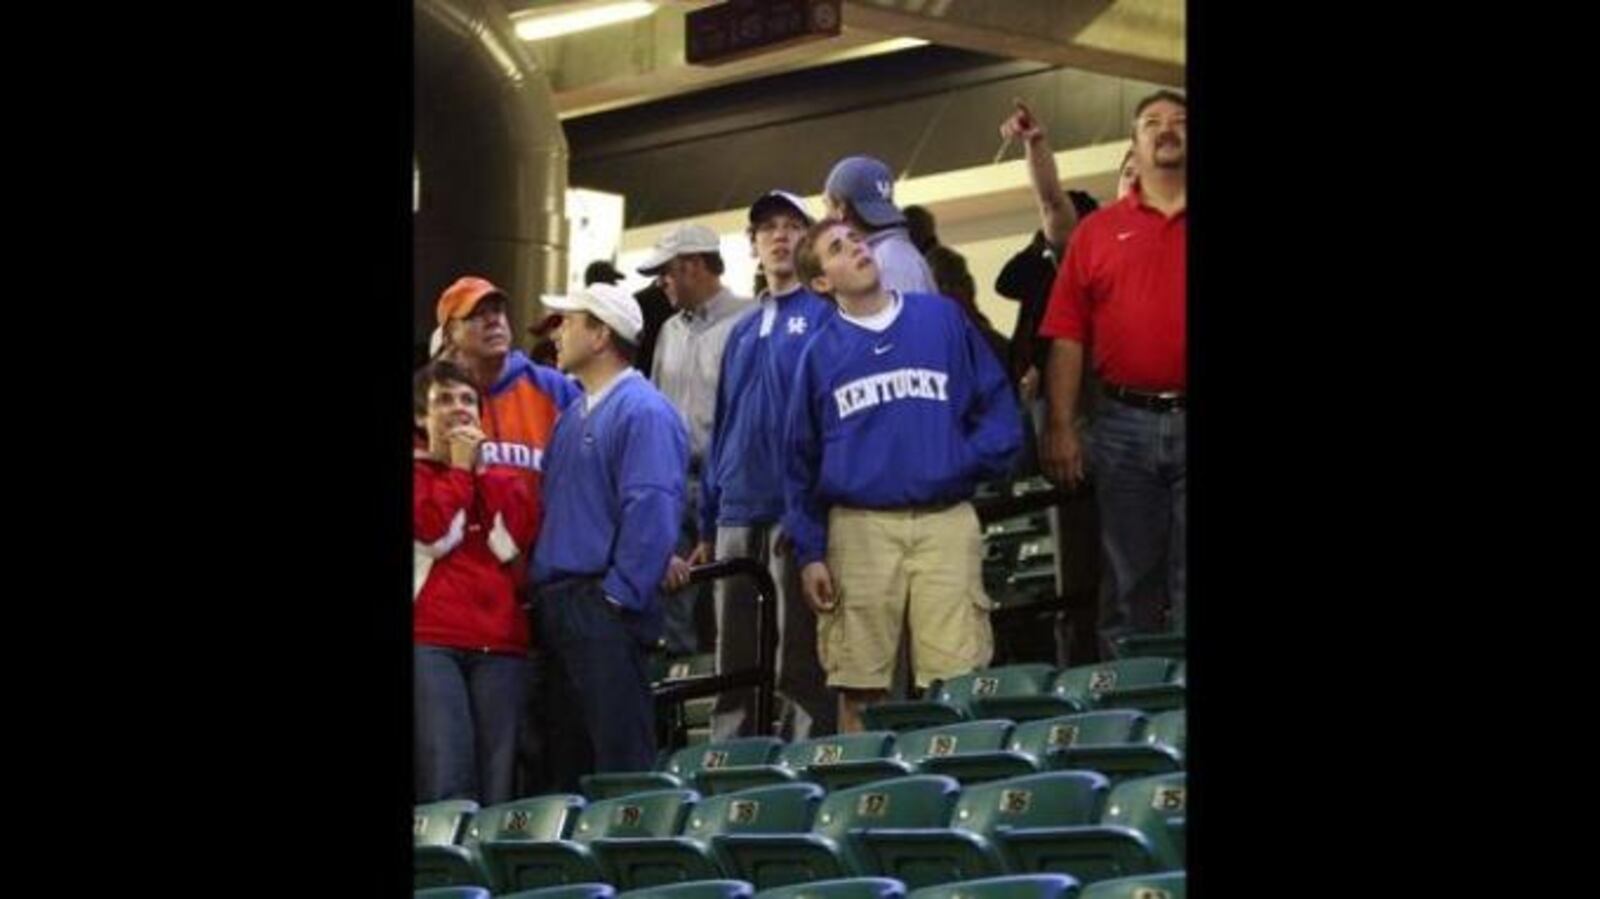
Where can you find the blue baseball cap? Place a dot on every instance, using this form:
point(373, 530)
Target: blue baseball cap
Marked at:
point(779, 200)
point(869, 186)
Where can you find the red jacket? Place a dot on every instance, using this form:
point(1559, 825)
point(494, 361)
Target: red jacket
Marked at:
point(466, 530)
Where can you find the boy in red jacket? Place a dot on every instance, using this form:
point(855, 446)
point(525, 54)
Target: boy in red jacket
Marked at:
point(469, 632)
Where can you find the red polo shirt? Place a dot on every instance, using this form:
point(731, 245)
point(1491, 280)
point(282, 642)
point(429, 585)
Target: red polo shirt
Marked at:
point(1122, 291)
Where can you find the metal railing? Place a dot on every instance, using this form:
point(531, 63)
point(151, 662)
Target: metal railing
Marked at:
point(762, 677)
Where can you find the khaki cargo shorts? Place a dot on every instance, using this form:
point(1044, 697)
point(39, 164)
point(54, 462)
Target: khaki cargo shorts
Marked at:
point(894, 568)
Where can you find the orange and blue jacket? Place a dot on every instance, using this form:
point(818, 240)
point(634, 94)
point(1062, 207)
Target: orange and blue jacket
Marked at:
point(519, 415)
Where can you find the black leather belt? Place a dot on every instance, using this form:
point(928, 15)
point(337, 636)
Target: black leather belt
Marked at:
point(1164, 401)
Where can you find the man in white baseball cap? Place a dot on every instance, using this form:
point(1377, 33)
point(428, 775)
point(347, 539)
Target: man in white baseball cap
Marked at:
point(614, 495)
point(686, 239)
point(687, 262)
point(612, 304)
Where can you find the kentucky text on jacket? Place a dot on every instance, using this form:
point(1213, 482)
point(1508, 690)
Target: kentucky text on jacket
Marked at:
point(864, 393)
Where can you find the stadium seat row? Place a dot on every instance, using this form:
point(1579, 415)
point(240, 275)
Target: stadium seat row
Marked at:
point(921, 830)
point(1034, 691)
point(1024, 886)
point(1117, 743)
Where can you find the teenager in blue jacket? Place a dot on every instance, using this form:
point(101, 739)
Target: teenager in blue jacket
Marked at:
point(899, 410)
point(742, 485)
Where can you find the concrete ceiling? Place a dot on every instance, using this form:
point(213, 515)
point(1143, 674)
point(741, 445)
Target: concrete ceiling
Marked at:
point(642, 61)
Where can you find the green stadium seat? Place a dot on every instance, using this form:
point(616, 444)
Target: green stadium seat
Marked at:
point(441, 823)
point(1086, 685)
point(959, 698)
point(955, 750)
point(1111, 742)
point(541, 818)
point(1166, 645)
point(967, 849)
point(549, 817)
point(566, 891)
point(993, 687)
point(693, 716)
point(1175, 829)
point(845, 888)
point(437, 867)
point(617, 784)
point(848, 760)
point(1169, 729)
point(717, 781)
point(924, 751)
point(1132, 837)
point(1017, 886)
point(827, 852)
point(681, 767)
point(704, 889)
point(634, 863)
point(697, 711)
point(1150, 697)
point(811, 760)
point(1028, 705)
point(689, 764)
point(522, 864)
point(1148, 886)
point(455, 892)
point(684, 667)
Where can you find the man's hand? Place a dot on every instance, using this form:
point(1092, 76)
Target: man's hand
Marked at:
point(1021, 125)
point(1028, 386)
point(677, 574)
point(464, 446)
point(1062, 454)
point(704, 551)
point(817, 585)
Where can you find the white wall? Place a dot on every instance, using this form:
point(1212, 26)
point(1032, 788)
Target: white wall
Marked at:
point(986, 213)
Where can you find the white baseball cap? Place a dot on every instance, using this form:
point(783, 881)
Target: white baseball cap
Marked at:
point(686, 238)
point(610, 303)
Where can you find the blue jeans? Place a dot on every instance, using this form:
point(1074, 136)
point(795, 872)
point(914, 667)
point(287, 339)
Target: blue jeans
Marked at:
point(1138, 459)
point(597, 689)
point(468, 709)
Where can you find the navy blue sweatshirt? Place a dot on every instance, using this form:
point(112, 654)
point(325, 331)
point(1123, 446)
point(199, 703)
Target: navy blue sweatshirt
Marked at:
point(614, 493)
point(915, 415)
point(743, 479)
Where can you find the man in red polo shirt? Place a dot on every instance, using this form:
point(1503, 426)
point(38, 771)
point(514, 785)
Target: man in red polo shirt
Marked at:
point(1121, 290)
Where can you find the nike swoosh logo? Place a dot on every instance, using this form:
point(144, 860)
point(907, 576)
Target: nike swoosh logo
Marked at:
point(882, 348)
point(1125, 235)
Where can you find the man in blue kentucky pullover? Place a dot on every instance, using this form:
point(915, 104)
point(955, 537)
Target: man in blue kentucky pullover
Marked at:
point(742, 487)
point(899, 410)
point(613, 499)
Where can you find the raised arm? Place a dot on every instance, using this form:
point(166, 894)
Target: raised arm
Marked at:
point(1056, 215)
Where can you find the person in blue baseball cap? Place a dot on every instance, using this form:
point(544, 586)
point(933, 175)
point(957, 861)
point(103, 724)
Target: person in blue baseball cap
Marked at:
point(860, 192)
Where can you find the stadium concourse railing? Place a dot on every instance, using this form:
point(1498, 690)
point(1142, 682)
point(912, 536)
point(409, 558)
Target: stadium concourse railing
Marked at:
point(671, 693)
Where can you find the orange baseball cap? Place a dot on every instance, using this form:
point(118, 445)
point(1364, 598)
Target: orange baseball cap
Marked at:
point(460, 298)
